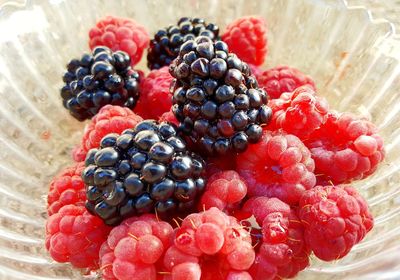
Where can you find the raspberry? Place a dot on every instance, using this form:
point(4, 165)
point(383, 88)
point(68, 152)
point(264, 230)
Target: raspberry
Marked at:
point(169, 117)
point(282, 79)
point(247, 38)
point(78, 153)
point(120, 34)
point(186, 271)
point(299, 112)
point(283, 252)
point(256, 71)
point(145, 169)
point(335, 219)
point(133, 248)
point(345, 148)
point(223, 190)
point(67, 188)
point(165, 45)
point(110, 119)
point(216, 100)
point(74, 235)
point(278, 166)
point(155, 98)
point(210, 237)
point(97, 79)
point(218, 164)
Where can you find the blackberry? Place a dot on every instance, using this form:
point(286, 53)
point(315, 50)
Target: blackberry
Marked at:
point(97, 79)
point(145, 169)
point(164, 48)
point(216, 99)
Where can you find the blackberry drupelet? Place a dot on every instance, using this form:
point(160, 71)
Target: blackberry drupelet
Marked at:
point(145, 169)
point(97, 79)
point(164, 47)
point(216, 99)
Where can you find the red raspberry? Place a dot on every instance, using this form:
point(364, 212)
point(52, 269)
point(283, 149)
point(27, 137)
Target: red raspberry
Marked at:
point(74, 235)
point(223, 190)
point(218, 164)
point(345, 148)
point(247, 38)
point(155, 98)
point(278, 166)
point(335, 219)
point(299, 112)
point(282, 79)
point(210, 236)
point(78, 153)
point(283, 252)
point(169, 117)
point(256, 71)
point(120, 34)
point(110, 119)
point(67, 188)
point(133, 248)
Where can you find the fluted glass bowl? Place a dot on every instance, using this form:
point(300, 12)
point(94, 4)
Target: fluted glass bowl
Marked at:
point(353, 59)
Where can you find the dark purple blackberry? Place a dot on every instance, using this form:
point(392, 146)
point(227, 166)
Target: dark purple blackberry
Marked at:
point(216, 99)
point(97, 79)
point(164, 48)
point(146, 169)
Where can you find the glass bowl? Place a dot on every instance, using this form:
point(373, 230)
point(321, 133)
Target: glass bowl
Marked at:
point(353, 58)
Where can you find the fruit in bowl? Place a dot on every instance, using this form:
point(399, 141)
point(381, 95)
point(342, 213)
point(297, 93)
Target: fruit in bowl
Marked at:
point(266, 187)
point(170, 218)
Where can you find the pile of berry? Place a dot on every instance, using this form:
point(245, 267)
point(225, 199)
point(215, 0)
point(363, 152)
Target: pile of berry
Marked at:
point(223, 171)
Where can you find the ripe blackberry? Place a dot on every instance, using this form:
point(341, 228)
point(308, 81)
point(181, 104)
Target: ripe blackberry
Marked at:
point(145, 169)
point(216, 100)
point(164, 48)
point(97, 79)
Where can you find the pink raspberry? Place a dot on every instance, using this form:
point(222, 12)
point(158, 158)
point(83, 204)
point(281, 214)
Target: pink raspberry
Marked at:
point(110, 119)
point(155, 98)
point(247, 38)
point(133, 248)
point(210, 236)
point(224, 190)
point(335, 219)
point(299, 112)
point(282, 79)
point(67, 188)
point(345, 148)
point(120, 34)
point(74, 235)
point(283, 252)
point(278, 166)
